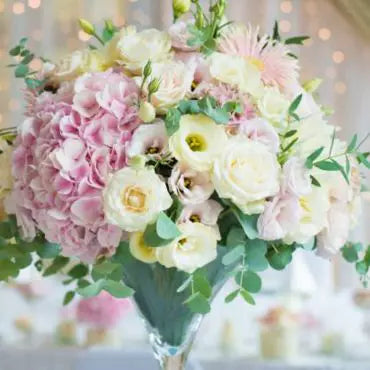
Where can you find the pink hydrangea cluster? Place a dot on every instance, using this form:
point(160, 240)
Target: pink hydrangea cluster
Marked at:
point(70, 142)
point(102, 311)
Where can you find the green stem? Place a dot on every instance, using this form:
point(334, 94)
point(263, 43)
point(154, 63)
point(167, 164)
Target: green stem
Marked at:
point(99, 38)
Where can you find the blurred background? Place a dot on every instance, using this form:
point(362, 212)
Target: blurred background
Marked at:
point(312, 316)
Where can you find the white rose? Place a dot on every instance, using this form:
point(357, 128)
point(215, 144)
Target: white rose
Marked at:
point(149, 139)
point(6, 181)
point(195, 248)
point(197, 141)
point(236, 71)
point(314, 207)
point(246, 172)
point(296, 177)
point(134, 198)
point(136, 48)
point(79, 62)
point(140, 250)
point(175, 79)
point(274, 106)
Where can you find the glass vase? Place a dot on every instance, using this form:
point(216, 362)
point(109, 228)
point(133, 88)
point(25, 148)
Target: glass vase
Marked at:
point(171, 326)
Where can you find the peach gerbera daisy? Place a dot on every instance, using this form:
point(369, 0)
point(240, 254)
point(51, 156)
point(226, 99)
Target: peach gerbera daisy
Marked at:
point(271, 57)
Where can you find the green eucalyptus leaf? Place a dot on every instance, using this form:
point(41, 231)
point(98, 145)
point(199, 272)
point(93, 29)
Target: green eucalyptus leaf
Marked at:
point(78, 271)
point(68, 297)
point(48, 250)
point(172, 121)
point(352, 145)
point(249, 280)
point(197, 303)
point(255, 257)
point(166, 228)
point(235, 237)
point(202, 285)
point(92, 290)
point(230, 297)
point(151, 237)
point(21, 71)
point(280, 259)
point(247, 222)
point(313, 156)
point(118, 289)
point(15, 51)
point(58, 263)
point(234, 255)
point(247, 297)
point(8, 269)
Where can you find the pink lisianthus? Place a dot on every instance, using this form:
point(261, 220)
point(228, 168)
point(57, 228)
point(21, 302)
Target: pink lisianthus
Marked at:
point(296, 178)
point(62, 158)
point(271, 57)
point(180, 35)
point(102, 311)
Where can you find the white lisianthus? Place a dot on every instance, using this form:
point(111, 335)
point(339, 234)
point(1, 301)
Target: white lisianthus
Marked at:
point(195, 248)
point(236, 71)
point(314, 217)
point(274, 106)
point(136, 48)
point(140, 250)
point(150, 139)
point(197, 141)
point(206, 213)
point(246, 172)
point(79, 62)
point(146, 112)
point(6, 178)
point(175, 79)
point(134, 198)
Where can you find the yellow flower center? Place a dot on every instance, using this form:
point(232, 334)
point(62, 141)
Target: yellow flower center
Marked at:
point(196, 143)
point(257, 62)
point(134, 198)
point(184, 245)
point(304, 204)
point(152, 150)
point(188, 183)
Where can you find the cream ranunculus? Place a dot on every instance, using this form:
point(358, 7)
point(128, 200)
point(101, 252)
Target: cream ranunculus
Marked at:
point(197, 141)
point(134, 198)
point(196, 247)
point(140, 250)
point(175, 79)
point(136, 48)
point(79, 62)
point(274, 106)
point(236, 71)
point(246, 172)
point(6, 181)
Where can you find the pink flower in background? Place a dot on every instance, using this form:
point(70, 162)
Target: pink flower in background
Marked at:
point(65, 151)
point(102, 311)
point(180, 35)
point(276, 66)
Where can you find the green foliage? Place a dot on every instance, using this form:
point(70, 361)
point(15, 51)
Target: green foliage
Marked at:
point(279, 256)
point(297, 40)
point(247, 222)
point(255, 255)
point(197, 303)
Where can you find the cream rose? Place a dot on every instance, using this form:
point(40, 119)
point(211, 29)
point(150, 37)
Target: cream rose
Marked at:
point(175, 79)
point(236, 71)
point(195, 248)
point(274, 106)
point(134, 198)
point(197, 141)
point(140, 250)
point(246, 172)
point(6, 181)
point(136, 48)
point(79, 62)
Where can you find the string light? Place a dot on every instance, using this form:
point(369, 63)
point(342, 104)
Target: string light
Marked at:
point(286, 7)
point(331, 72)
point(340, 87)
point(2, 6)
point(285, 26)
point(324, 34)
point(13, 105)
point(34, 4)
point(338, 56)
point(18, 8)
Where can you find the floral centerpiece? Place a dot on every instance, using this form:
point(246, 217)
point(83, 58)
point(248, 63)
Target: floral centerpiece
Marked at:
point(161, 164)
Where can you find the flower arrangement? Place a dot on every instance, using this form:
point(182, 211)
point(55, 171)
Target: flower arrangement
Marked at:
point(163, 163)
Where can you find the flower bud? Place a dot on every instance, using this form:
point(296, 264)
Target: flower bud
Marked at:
point(86, 26)
point(180, 7)
point(146, 112)
point(153, 86)
point(312, 85)
point(137, 162)
point(109, 25)
point(148, 69)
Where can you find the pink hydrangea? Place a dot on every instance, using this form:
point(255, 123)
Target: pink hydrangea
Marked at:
point(66, 148)
point(102, 311)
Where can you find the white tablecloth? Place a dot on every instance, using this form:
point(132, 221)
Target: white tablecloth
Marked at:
point(104, 359)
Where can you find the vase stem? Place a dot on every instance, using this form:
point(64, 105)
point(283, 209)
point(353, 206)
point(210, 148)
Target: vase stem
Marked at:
point(173, 362)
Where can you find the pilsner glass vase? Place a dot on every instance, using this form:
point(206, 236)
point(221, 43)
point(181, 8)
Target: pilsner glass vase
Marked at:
point(171, 326)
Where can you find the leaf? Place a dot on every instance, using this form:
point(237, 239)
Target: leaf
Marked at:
point(202, 285)
point(310, 245)
point(21, 71)
point(352, 145)
point(276, 33)
point(68, 297)
point(78, 271)
point(280, 259)
point(118, 289)
point(15, 51)
point(58, 263)
point(295, 104)
point(247, 297)
point(233, 107)
point(362, 268)
point(48, 250)
point(328, 165)
point(166, 228)
point(23, 41)
point(236, 237)
point(91, 290)
point(362, 158)
point(313, 156)
point(27, 59)
point(247, 222)
point(249, 280)
point(8, 269)
point(172, 121)
point(230, 297)
point(197, 303)
point(189, 107)
point(185, 284)
point(208, 106)
point(350, 252)
point(151, 237)
point(255, 256)
point(290, 145)
point(5, 230)
point(290, 133)
point(33, 83)
point(234, 255)
point(314, 181)
point(298, 40)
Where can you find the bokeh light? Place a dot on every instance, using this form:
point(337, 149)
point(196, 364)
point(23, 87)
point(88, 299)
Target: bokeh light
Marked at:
point(338, 56)
point(14, 105)
point(286, 7)
point(285, 26)
point(324, 34)
point(18, 8)
point(340, 87)
point(34, 4)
